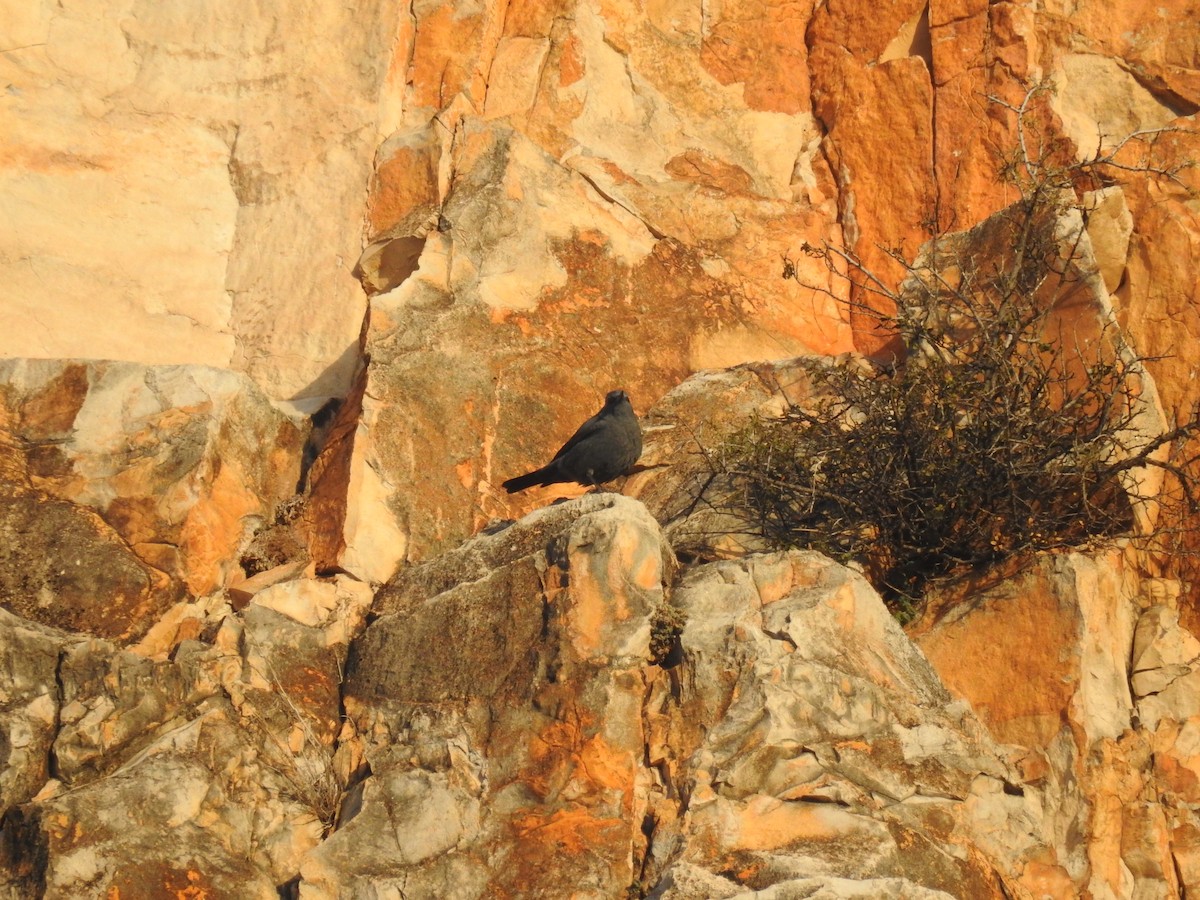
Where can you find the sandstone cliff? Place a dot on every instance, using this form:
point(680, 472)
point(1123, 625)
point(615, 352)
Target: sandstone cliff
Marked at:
point(289, 291)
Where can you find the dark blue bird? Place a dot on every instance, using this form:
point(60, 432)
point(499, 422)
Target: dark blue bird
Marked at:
point(605, 447)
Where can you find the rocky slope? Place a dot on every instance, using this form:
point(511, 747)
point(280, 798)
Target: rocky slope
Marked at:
point(291, 290)
point(513, 719)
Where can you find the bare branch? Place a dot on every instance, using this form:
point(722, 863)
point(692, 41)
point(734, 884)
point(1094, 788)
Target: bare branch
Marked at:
point(996, 435)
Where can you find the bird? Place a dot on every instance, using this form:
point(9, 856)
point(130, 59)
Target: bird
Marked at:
point(603, 448)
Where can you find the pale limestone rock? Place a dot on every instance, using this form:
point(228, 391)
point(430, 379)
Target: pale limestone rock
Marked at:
point(188, 189)
point(242, 592)
point(1100, 102)
point(812, 740)
point(575, 167)
point(815, 740)
point(371, 857)
point(503, 682)
point(140, 271)
point(501, 707)
point(1109, 226)
point(371, 542)
point(513, 77)
point(387, 263)
point(180, 623)
point(848, 889)
point(339, 604)
point(167, 818)
point(684, 882)
point(182, 462)
point(1163, 654)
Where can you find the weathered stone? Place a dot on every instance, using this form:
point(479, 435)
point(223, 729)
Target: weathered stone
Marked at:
point(1038, 644)
point(854, 94)
point(684, 881)
point(813, 739)
point(169, 820)
point(242, 592)
point(387, 263)
point(558, 223)
point(1109, 225)
point(166, 772)
point(521, 298)
point(404, 192)
point(564, 198)
point(180, 462)
point(527, 748)
point(1045, 657)
point(338, 603)
point(29, 706)
point(687, 883)
point(189, 189)
point(63, 566)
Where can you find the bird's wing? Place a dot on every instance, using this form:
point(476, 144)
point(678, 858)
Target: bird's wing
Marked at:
point(591, 426)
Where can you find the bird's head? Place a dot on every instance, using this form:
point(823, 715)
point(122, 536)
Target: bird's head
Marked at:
point(615, 398)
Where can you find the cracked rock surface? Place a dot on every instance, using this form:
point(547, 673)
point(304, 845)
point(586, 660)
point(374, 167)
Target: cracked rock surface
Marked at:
point(289, 289)
point(495, 726)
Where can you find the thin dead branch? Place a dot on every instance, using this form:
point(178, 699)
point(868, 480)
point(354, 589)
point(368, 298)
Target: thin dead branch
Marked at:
point(1000, 432)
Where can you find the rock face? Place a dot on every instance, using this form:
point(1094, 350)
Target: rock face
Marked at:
point(542, 204)
point(445, 230)
point(128, 486)
point(156, 169)
point(551, 709)
point(466, 335)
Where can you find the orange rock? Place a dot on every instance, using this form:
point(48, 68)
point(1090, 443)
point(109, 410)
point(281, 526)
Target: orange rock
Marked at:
point(176, 466)
point(760, 46)
point(404, 190)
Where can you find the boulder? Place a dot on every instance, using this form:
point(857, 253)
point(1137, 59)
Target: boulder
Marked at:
point(496, 702)
point(805, 742)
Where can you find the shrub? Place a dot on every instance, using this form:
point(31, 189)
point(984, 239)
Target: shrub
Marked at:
point(1011, 422)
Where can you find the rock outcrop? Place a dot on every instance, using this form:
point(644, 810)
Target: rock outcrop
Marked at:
point(290, 291)
point(212, 770)
point(128, 487)
point(508, 733)
point(550, 709)
point(815, 746)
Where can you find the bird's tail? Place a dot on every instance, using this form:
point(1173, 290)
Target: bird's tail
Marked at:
point(521, 482)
